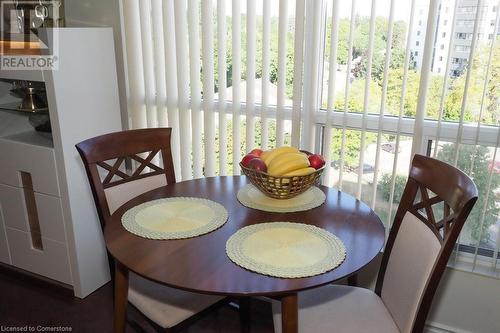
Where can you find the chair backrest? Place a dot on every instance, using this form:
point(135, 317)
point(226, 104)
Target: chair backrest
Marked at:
point(419, 245)
point(127, 163)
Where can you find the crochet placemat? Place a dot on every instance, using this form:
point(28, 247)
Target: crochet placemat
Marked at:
point(285, 249)
point(251, 197)
point(174, 218)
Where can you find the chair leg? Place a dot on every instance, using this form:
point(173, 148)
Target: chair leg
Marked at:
point(352, 280)
point(121, 298)
point(245, 314)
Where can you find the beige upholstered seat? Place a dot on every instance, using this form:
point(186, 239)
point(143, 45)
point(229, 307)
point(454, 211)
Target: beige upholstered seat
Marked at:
point(340, 309)
point(165, 306)
point(344, 309)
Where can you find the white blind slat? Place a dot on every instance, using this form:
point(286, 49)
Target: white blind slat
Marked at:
point(425, 75)
point(250, 102)
point(311, 74)
point(445, 81)
point(387, 62)
point(332, 79)
point(366, 99)
point(208, 86)
point(135, 65)
point(159, 61)
point(298, 57)
point(400, 115)
point(346, 93)
point(282, 50)
point(485, 204)
point(171, 82)
point(266, 45)
point(236, 78)
point(221, 52)
point(148, 63)
point(194, 74)
point(180, 7)
point(475, 37)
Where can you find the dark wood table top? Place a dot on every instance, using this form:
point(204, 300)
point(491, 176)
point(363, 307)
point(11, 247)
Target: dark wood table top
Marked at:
point(200, 264)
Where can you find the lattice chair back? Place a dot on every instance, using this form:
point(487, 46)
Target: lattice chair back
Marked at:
point(125, 164)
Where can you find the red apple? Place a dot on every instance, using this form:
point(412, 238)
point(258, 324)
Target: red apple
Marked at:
point(316, 161)
point(256, 152)
point(247, 158)
point(257, 164)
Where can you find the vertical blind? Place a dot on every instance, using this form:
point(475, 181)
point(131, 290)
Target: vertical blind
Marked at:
point(345, 79)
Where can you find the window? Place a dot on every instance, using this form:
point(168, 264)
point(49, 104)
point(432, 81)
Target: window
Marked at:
point(462, 48)
point(271, 85)
point(444, 34)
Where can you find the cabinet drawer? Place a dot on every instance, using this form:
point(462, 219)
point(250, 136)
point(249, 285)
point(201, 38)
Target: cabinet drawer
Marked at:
point(4, 249)
point(37, 160)
point(48, 209)
point(52, 262)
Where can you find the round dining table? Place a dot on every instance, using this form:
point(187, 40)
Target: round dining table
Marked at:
point(200, 264)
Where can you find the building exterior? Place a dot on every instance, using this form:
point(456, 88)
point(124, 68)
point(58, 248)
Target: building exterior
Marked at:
point(455, 34)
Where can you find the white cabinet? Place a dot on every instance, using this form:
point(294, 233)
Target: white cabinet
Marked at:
point(48, 221)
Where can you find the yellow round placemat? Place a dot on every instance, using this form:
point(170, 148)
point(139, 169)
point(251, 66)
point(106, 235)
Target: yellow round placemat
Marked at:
point(251, 197)
point(174, 218)
point(285, 249)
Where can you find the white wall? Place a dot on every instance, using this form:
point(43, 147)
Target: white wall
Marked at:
point(102, 13)
point(467, 302)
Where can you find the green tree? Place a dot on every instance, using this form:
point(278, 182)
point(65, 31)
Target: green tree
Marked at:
point(480, 174)
point(384, 186)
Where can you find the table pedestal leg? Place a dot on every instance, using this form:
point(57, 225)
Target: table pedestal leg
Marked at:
point(245, 314)
point(121, 299)
point(289, 314)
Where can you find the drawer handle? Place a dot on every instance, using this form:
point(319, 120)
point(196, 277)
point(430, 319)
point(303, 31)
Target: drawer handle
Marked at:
point(34, 223)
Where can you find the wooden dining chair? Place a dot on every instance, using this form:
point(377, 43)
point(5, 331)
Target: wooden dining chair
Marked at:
point(121, 166)
point(414, 259)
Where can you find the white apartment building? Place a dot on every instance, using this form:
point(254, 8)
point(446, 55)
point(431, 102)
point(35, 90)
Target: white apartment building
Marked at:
point(455, 34)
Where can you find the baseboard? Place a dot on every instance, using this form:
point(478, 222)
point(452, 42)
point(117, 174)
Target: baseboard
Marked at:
point(432, 327)
point(17, 274)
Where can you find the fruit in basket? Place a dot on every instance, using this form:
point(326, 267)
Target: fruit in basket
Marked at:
point(257, 164)
point(300, 172)
point(245, 161)
point(269, 155)
point(287, 162)
point(316, 161)
point(256, 152)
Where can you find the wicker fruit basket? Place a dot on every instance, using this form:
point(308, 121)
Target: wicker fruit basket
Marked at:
point(281, 187)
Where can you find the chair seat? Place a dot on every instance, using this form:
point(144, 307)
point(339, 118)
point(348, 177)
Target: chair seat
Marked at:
point(340, 309)
point(165, 306)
